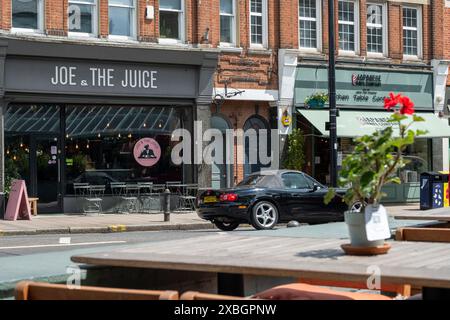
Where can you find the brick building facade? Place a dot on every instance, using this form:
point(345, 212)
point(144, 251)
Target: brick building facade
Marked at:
point(262, 46)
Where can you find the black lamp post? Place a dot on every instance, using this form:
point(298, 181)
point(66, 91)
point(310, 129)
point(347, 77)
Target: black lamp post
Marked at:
point(332, 92)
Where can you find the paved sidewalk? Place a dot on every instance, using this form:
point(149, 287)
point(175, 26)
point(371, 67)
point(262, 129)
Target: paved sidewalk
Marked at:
point(55, 224)
point(61, 224)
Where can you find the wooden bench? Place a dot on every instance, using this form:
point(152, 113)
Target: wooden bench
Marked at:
point(28, 290)
point(439, 232)
point(33, 205)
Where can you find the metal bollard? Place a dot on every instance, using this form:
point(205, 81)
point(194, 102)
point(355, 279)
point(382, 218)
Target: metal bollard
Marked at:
point(166, 205)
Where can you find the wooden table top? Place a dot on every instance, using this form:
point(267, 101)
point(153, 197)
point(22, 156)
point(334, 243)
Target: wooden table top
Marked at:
point(415, 263)
point(439, 214)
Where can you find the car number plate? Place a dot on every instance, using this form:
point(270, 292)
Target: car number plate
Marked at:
point(210, 199)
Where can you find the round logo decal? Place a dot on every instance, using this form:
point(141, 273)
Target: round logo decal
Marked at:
point(147, 152)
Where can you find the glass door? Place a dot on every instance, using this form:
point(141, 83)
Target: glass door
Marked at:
point(46, 172)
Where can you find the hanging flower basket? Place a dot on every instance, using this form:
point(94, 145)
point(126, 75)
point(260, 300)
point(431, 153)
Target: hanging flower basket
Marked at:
point(316, 100)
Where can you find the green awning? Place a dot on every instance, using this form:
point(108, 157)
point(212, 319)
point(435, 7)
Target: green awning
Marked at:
point(359, 123)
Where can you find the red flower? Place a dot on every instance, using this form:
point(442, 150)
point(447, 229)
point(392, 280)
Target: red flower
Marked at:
point(392, 101)
point(407, 105)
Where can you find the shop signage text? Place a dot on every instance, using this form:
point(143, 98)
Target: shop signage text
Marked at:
point(382, 122)
point(105, 77)
point(100, 78)
point(365, 88)
point(366, 80)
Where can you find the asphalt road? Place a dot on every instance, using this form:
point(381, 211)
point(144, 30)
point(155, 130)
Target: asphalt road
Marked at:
point(41, 256)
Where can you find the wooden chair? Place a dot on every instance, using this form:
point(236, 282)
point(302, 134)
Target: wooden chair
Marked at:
point(194, 295)
point(33, 205)
point(28, 290)
point(403, 290)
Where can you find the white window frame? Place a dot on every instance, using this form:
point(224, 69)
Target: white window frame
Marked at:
point(94, 19)
point(264, 16)
point(181, 26)
point(385, 32)
point(40, 22)
point(356, 24)
point(318, 21)
point(133, 35)
point(419, 30)
point(233, 24)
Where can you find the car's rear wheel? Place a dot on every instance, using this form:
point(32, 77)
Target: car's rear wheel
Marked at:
point(264, 215)
point(226, 226)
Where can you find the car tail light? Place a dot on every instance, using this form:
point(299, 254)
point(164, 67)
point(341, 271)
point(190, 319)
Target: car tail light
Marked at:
point(231, 197)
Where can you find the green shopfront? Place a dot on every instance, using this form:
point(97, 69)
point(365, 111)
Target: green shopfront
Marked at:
point(360, 97)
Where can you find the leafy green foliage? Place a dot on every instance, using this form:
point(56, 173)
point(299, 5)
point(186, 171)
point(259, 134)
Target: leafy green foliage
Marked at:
point(319, 97)
point(295, 156)
point(374, 162)
point(11, 173)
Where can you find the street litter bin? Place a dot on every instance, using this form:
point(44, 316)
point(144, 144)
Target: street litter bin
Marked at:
point(433, 189)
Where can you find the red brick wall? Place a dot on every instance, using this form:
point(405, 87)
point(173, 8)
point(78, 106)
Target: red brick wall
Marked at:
point(55, 22)
point(446, 38)
point(238, 112)
point(148, 29)
point(103, 28)
point(5, 14)
point(249, 70)
point(288, 36)
point(428, 51)
point(395, 46)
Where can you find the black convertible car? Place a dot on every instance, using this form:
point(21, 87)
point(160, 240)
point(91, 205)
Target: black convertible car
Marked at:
point(266, 198)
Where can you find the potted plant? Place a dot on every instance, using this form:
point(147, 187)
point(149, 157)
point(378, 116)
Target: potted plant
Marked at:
point(316, 100)
point(374, 163)
point(295, 156)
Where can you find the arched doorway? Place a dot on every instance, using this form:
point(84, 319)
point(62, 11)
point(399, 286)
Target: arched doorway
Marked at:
point(256, 123)
point(221, 172)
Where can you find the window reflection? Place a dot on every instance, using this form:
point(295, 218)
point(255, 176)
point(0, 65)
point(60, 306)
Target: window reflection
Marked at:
point(100, 142)
point(25, 14)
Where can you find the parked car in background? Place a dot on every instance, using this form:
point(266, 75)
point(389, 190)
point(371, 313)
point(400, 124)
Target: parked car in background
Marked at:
point(266, 198)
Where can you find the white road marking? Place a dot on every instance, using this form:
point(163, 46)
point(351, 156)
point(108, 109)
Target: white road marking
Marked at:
point(65, 240)
point(62, 245)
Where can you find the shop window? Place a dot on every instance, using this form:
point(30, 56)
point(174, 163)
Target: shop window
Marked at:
point(122, 19)
point(418, 156)
point(309, 24)
point(27, 15)
point(258, 23)
point(171, 21)
point(82, 17)
point(376, 29)
point(27, 156)
point(227, 22)
point(100, 143)
point(348, 26)
point(412, 32)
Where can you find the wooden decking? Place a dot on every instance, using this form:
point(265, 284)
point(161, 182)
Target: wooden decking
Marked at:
point(416, 263)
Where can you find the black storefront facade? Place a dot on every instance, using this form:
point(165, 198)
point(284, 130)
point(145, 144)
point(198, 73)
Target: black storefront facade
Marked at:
point(73, 113)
